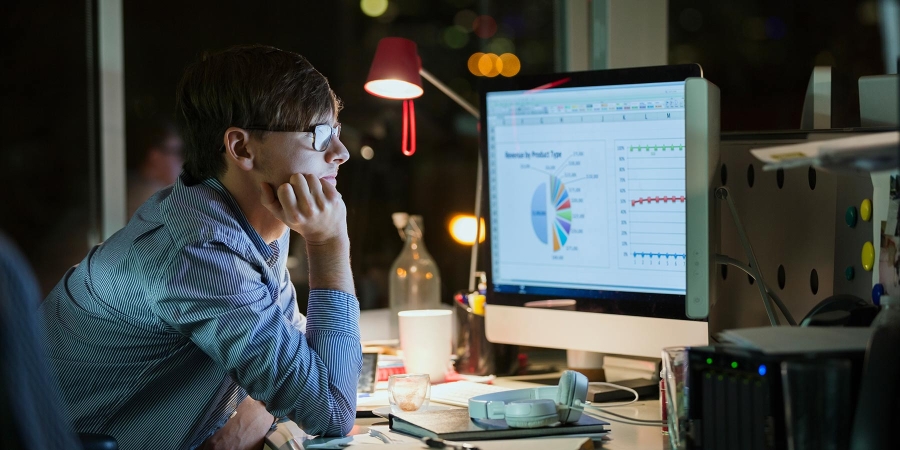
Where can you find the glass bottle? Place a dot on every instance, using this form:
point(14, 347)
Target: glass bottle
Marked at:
point(889, 316)
point(415, 281)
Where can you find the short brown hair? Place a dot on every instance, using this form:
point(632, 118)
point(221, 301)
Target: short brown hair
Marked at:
point(246, 86)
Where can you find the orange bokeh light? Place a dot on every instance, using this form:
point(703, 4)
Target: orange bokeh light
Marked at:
point(510, 65)
point(473, 64)
point(490, 65)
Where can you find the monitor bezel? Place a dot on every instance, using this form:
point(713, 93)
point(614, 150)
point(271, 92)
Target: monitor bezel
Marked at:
point(664, 306)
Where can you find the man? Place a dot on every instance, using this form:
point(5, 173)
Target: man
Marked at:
point(155, 159)
point(160, 334)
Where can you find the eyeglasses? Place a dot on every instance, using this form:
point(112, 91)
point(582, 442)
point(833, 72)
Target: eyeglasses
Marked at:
point(322, 134)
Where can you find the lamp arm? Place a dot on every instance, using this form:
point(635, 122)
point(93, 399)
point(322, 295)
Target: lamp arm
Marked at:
point(449, 92)
point(473, 264)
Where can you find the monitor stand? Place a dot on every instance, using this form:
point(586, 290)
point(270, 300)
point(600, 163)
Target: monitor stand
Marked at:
point(588, 363)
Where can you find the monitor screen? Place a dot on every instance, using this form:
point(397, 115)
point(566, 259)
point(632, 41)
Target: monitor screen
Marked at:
point(586, 195)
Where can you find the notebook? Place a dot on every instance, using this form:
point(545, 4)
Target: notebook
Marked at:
point(455, 425)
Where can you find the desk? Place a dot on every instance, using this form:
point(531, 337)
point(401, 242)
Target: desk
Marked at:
point(624, 436)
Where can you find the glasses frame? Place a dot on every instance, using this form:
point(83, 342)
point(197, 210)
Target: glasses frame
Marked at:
point(315, 130)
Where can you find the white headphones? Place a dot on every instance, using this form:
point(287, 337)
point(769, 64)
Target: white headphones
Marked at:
point(537, 407)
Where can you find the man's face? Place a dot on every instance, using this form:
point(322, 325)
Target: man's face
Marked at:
point(169, 159)
point(282, 154)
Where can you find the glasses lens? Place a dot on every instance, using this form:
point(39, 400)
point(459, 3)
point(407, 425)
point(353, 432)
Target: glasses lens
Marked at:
point(323, 137)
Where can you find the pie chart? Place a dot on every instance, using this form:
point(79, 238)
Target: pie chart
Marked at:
point(551, 213)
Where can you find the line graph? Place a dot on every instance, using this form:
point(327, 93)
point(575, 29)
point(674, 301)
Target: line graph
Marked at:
point(658, 199)
point(651, 198)
point(655, 148)
point(660, 255)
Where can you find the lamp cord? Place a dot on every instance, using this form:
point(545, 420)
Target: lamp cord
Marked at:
point(408, 140)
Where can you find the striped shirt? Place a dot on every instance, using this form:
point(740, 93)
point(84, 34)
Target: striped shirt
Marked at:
point(163, 329)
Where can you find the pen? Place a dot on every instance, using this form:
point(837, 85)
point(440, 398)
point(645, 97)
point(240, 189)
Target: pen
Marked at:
point(380, 436)
point(440, 443)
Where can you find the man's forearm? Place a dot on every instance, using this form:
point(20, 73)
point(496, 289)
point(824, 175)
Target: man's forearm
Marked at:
point(329, 265)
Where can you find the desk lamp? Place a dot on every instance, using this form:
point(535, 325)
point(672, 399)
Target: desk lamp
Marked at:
point(396, 74)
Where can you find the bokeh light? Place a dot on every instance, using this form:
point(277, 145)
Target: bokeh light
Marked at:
point(501, 45)
point(456, 37)
point(462, 229)
point(490, 65)
point(367, 152)
point(373, 8)
point(465, 19)
point(392, 12)
point(484, 26)
point(511, 65)
point(473, 63)
point(867, 12)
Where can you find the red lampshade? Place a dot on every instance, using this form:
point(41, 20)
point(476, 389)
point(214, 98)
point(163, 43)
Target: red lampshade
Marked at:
point(395, 70)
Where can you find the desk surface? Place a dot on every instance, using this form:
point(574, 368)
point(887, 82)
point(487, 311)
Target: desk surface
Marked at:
point(624, 435)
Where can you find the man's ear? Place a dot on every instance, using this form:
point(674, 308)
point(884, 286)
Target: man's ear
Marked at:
point(237, 149)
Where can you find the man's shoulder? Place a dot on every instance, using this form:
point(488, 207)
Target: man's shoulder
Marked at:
point(198, 214)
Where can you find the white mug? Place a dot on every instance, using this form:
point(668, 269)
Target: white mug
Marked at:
point(425, 340)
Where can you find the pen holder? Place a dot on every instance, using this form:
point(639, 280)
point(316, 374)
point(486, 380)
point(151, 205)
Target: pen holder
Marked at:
point(474, 354)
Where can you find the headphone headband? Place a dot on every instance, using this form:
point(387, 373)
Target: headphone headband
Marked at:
point(528, 408)
point(491, 406)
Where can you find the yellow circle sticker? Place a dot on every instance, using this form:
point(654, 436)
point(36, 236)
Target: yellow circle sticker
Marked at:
point(865, 210)
point(868, 256)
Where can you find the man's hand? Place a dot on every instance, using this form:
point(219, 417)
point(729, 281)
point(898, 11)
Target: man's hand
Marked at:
point(245, 431)
point(316, 211)
point(308, 206)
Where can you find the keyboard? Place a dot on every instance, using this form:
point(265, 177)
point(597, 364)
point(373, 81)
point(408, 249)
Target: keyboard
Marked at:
point(458, 393)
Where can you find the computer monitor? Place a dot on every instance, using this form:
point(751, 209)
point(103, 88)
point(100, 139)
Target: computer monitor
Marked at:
point(599, 197)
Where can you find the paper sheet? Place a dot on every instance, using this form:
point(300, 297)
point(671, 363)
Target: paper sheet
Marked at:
point(866, 153)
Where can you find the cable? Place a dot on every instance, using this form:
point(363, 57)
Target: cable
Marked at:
point(598, 410)
point(722, 193)
point(617, 387)
point(631, 420)
point(727, 260)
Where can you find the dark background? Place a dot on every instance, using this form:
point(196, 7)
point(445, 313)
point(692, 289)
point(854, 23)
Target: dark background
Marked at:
point(759, 53)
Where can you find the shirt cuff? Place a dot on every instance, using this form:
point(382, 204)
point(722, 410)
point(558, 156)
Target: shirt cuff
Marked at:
point(332, 311)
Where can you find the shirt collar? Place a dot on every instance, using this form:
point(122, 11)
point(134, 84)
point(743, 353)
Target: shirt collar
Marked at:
point(269, 253)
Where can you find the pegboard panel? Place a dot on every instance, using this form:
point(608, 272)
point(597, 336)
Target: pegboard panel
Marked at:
point(794, 220)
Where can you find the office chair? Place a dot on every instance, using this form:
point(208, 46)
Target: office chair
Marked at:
point(842, 310)
point(30, 409)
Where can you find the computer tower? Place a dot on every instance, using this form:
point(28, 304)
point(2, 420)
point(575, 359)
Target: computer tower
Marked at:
point(736, 397)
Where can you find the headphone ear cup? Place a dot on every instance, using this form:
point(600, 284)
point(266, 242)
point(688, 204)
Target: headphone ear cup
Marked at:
point(531, 413)
point(572, 386)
